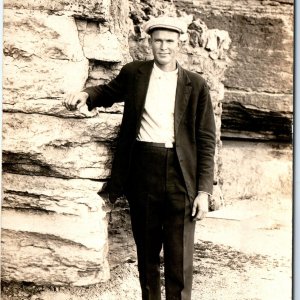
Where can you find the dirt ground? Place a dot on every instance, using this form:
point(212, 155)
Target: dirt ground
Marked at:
point(242, 252)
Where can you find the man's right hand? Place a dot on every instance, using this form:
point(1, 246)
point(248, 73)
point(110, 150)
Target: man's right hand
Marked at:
point(74, 101)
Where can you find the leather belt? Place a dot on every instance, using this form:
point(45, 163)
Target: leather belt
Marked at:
point(158, 145)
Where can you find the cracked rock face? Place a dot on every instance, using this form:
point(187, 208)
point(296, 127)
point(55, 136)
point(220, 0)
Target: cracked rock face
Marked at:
point(258, 96)
point(54, 225)
point(39, 47)
point(53, 231)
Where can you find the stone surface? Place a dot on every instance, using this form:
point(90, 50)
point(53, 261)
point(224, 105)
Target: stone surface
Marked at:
point(103, 47)
point(74, 197)
point(44, 259)
point(40, 53)
point(54, 228)
point(252, 170)
point(89, 9)
point(256, 7)
point(261, 54)
point(57, 149)
point(53, 231)
point(258, 116)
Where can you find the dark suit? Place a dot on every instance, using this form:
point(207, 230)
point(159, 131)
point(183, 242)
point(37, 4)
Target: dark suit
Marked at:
point(194, 147)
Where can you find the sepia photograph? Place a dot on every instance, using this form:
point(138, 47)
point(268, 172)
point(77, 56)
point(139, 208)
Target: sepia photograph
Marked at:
point(147, 150)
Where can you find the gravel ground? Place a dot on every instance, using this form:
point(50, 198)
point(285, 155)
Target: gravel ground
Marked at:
point(242, 252)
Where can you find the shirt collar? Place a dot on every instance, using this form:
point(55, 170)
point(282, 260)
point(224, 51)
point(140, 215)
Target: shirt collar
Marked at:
point(160, 72)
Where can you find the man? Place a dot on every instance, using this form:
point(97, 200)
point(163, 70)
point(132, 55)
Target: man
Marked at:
point(165, 156)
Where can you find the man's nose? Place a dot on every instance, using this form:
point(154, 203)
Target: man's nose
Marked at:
point(163, 45)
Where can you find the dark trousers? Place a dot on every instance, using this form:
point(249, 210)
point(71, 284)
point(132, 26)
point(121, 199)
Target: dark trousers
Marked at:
point(161, 217)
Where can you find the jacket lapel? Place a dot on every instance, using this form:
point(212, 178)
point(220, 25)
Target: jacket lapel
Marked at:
point(142, 83)
point(183, 93)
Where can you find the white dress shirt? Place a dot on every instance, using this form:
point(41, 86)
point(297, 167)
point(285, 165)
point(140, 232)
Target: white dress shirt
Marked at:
point(157, 124)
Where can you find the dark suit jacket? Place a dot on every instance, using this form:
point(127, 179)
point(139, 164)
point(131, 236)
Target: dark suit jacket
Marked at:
point(194, 124)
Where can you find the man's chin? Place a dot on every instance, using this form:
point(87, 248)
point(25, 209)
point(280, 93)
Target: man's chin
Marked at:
point(163, 61)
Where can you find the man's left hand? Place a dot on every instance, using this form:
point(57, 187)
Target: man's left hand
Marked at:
point(200, 206)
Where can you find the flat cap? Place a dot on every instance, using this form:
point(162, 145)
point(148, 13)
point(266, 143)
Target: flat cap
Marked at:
point(164, 22)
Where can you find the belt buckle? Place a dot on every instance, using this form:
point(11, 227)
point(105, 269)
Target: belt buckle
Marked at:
point(168, 145)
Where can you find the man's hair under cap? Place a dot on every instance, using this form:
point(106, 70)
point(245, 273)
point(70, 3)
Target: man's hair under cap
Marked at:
point(164, 22)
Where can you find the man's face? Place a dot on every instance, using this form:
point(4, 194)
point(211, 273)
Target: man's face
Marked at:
point(165, 45)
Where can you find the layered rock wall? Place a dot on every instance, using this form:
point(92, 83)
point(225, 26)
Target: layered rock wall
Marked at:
point(258, 100)
point(54, 227)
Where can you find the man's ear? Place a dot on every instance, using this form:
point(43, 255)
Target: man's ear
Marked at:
point(149, 40)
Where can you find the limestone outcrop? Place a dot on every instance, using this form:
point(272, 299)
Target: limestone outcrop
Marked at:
point(54, 225)
point(258, 96)
point(54, 231)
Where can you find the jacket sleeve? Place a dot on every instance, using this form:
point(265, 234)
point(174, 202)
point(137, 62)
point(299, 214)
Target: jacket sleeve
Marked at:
point(206, 141)
point(107, 94)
